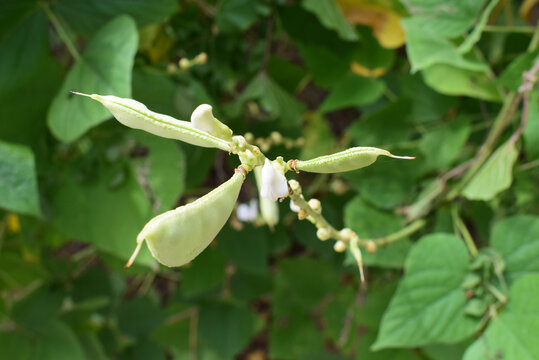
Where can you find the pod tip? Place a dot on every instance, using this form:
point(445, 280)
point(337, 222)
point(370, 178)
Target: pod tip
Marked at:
point(79, 93)
point(135, 253)
point(403, 157)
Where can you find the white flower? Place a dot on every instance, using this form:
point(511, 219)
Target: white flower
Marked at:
point(294, 207)
point(274, 183)
point(247, 212)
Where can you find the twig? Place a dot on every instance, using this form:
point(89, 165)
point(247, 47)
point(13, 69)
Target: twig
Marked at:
point(62, 33)
point(463, 230)
point(349, 318)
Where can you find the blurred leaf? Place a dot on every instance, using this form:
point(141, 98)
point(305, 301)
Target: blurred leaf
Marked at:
point(446, 351)
point(86, 16)
point(293, 337)
point(371, 57)
point(143, 350)
point(92, 348)
point(285, 73)
point(156, 91)
point(248, 286)
point(517, 240)
point(235, 15)
point(319, 140)
point(206, 273)
point(58, 342)
point(226, 328)
point(105, 216)
point(366, 353)
point(326, 67)
point(443, 145)
point(12, 12)
point(274, 100)
point(389, 125)
point(37, 311)
point(18, 183)
point(162, 170)
point(376, 303)
point(247, 248)
point(329, 14)
point(139, 316)
point(105, 68)
point(531, 132)
point(353, 90)
point(429, 304)
point(495, 175)
point(301, 283)
point(512, 333)
point(16, 273)
point(370, 223)
point(29, 41)
point(427, 104)
point(511, 77)
point(14, 346)
point(450, 80)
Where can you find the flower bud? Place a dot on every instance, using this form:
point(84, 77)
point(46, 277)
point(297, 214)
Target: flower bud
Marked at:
point(315, 205)
point(323, 234)
point(340, 246)
point(371, 246)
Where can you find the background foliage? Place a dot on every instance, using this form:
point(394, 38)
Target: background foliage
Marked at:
point(435, 79)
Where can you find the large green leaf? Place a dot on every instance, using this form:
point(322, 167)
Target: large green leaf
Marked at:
point(352, 90)
point(15, 346)
point(494, 176)
point(86, 16)
point(331, 16)
point(102, 213)
point(370, 223)
point(513, 333)
point(517, 240)
point(429, 305)
point(18, 183)
point(451, 80)
point(226, 328)
point(442, 146)
point(235, 15)
point(58, 342)
point(12, 12)
point(23, 50)
point(105, 68)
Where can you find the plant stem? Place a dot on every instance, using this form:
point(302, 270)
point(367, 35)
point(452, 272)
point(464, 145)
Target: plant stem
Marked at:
point(509, 29)
point(402, 233)
point(62, 33)
point(463, 230)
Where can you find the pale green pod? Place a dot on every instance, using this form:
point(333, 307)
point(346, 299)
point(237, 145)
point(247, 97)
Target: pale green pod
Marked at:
point(136, 115)
point(178, 236)
point(348, 160)
point(202, 118)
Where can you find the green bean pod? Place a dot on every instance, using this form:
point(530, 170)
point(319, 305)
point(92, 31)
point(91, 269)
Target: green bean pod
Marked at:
point(136, 115)
point(348, 160)
point(178, 236)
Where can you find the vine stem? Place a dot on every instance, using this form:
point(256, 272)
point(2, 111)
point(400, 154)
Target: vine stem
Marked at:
point(62, 33)
point(463, 230)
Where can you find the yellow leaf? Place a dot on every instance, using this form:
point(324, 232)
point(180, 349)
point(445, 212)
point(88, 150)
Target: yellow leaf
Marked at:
point(13, 223)
point(363, 71)
point(384, 22)
point(529, 10)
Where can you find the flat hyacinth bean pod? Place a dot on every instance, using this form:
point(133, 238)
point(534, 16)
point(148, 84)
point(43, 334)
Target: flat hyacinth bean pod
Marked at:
point(348, 160)
point(136, 115)
point(178, 236)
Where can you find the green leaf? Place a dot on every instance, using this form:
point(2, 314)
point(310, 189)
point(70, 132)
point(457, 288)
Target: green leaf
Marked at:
point(370, 223)
point(511, 77)
point(235, 15)
point(274, 100)
point(85, 16)
point(352, 90)
point(149, 316)
point(17, 273)
point(427, 48)
point(294, 337)
point(12, 12)
point(387, 126)
point(226, 328)
point(443, 145)
point(494, 176)
point(366, 353)
point(248, 248)
point(331, 16)
point(512, 334)
point(163, 170)
point(18, 183)
point(14, 346)
point(319, 140)
point(205, 274)
point(102, 213)
point(58, 342)
point(23, 50)
point(326, 67)
point(428, 306)
point(531, 132)
point(105, 68)
point(450, 80)
point(517, 240)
